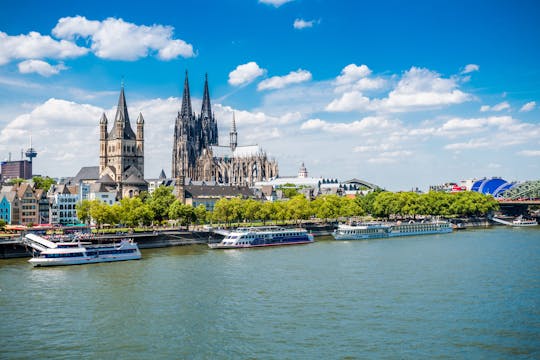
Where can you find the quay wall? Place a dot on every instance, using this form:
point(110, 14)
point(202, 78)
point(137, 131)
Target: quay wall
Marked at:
point(11, 248)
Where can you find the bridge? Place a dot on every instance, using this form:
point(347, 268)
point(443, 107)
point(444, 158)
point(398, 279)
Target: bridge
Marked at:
point(527, 193)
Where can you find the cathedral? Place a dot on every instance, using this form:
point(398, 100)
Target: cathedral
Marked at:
point(121, 152)
point(197, 155)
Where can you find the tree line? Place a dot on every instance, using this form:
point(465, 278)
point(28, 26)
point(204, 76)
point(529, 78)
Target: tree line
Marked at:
point(162, 206)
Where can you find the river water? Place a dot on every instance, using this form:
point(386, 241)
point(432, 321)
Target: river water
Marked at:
point(469, 294)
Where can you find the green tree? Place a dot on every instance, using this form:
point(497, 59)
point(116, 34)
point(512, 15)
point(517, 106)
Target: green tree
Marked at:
point(101, 213)
point(351, 207)
point(265, 212)
point(298, 208)
point(201, 214)
point(16, 181)
point(160, 201)
point(251, 209)
point(184, 213)
point(3, 224)
point(223, 211)
point(83, 211)
point(326, 207)
point(43, 182)
point(134, 212)
point(280, 211)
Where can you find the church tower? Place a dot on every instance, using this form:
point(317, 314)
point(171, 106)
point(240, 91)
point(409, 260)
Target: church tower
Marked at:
point(183, 143)
point(122, 151)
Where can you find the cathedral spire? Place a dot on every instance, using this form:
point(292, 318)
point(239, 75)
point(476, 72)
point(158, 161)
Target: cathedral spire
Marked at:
point(186, 100)
point(206, 110)
point(233, 135)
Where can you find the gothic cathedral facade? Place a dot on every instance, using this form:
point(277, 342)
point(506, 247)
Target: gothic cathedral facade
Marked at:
point(121, 152)
point(197, 155)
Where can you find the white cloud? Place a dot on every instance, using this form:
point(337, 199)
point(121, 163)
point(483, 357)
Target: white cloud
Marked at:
point(75, 26)
point(418, 89)
point(276, 3)
point(40, 67)
point(529, 153)
point(498, 107)
point(245, 73)
point(354, 77)
point(471, 144)
point(278, 82)
point(300, 24)
point(349, 101)
point(352, 73)
point(120, 40)
point(367, 125)
point(470, 68)
point(528, 106)
point(36, 46)
point(422, 88)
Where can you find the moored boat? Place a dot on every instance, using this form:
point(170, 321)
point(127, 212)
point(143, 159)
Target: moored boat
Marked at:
point(262, 237)
point(49, 253)
point(520, 221)
point(377, 230)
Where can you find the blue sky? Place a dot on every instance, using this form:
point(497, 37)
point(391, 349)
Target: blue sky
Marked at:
point(401, 94)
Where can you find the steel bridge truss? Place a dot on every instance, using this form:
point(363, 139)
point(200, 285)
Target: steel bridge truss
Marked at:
point(528, 190)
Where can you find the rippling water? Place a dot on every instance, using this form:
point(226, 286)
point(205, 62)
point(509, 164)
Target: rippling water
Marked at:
point(470, 294)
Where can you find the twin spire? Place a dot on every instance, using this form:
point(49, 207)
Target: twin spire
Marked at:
point(206, 110)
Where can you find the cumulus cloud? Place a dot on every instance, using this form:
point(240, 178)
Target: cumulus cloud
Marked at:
point(278, 82)
point(470, 68)
point(36, 46)
point(351, 73)
point(350, 101)
point(356, 78)
point(40, 67)
point(245, 73)
point(276, 3)
point(300, 24)
point(418, 89)
point(421, 88)
point(498, 107)
point(120, 40)
point(528, 106)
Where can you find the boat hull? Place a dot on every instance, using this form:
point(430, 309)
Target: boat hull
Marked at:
point(42, 262)
point(246, 246)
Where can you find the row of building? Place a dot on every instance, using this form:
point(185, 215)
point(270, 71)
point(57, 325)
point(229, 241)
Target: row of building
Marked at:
point(203, 170)
point(24, 204)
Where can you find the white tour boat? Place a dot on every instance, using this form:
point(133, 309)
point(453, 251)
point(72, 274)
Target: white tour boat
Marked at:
point(263, 236)
point(520, 221)
point(49, 253)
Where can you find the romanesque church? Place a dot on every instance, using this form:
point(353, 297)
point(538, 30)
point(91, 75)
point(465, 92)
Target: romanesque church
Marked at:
point(197, 155)
point(121, 152)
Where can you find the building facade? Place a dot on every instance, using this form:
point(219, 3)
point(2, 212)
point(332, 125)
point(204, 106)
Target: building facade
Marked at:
point(121, 151)
point(198, 156)
point(62, 200)
point(16, 169)
point(29, 205)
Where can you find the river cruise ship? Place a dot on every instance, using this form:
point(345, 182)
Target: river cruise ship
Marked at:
point(48, 253)
point(377, 230)
point(263, 236)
